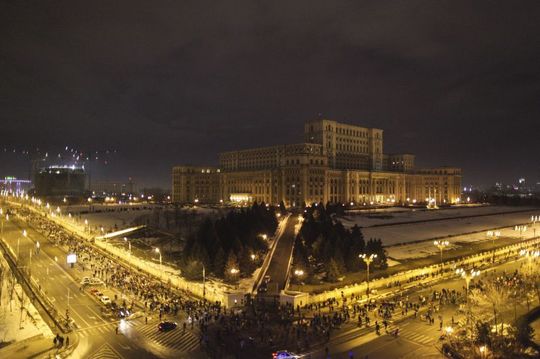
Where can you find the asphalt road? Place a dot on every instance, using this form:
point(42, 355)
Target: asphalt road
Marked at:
point(417, 339)
point(279, 264)
point(96, 332)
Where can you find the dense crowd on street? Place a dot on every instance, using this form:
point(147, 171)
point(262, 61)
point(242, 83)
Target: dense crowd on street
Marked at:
point(260, 324)
point(154, 297)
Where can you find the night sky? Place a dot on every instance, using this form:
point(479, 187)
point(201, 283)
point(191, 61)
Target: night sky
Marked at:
point(175, 82)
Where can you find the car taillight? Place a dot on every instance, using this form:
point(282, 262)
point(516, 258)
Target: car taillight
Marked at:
point(274, 355)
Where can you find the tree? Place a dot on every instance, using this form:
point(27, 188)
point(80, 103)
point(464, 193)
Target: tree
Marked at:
point(333, 272)
point(193, 270)
point(338, 257)
point(219, 262)
point(492, 296)
point(483, 334)
point(524, 333)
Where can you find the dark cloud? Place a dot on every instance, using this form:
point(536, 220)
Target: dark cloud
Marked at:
point(456, 82)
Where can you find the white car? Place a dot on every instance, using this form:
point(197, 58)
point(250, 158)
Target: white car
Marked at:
point(85, 280)
point(96, 281)
point(105, 300)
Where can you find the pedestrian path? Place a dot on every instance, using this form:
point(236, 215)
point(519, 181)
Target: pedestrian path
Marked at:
point(105, 352)
point(417, 337)
point(107, 328)
point(176, 339)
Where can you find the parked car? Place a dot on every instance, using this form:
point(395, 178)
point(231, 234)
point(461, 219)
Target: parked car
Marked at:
point(98, 294)
point(96, 281)
point(85, 281)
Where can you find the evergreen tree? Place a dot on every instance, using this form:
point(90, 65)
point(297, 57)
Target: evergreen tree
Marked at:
point(338, 258)
point(193, 270)
point(333, 272)
point(219, 262)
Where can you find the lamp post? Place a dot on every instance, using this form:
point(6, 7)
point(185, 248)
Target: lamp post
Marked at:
point(234, 272)
point(520, 229)
point(7, 219)
point(482, 351)
point(530, 255)
point(160, 262)
point(129, 246)
point(468, 276)
point(203, 282)
point(534, 219)
point(367, 259)
point(18, 244)
point(299, 273)
point(493, 235)
point(441, 245)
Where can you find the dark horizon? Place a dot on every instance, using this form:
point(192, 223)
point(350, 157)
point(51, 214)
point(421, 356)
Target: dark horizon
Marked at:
point(456, 83)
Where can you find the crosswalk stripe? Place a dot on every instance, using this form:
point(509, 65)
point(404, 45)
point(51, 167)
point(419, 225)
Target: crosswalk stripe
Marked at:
point(175, 339)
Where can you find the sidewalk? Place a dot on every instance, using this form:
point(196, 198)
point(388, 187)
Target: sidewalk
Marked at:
point(39, 347)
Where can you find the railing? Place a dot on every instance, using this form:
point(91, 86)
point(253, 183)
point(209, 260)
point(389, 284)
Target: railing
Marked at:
point(33, 291)
point(361, 288)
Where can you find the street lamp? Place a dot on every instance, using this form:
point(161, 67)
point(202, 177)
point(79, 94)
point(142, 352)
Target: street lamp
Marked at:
point(129, 246)
point(7, 219)
point(520, 229)
point(467, 275)
point(530, 255)
point(160, 262)
point(441, 245)
point(234, 272)
point(18, 243)
point(367, 259)
point(534, 219)
point(483, 351)
point(299, 273)
point(493, 235)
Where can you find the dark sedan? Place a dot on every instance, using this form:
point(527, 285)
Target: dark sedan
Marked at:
point(166, 326)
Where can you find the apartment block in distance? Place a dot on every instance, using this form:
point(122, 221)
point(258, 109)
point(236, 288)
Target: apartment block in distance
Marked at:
point(337, 162)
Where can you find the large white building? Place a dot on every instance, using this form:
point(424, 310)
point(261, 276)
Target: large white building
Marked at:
point(336, 163)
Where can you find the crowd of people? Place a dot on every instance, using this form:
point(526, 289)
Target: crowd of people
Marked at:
point(153, 296)
point(260, 324)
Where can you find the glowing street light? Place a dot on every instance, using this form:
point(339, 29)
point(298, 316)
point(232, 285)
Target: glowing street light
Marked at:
point(483, 351)
point(530, 255)
point(234, 272)
point(25, 234)
point(129, 246)
point(367, 259)
point(160, 262)
point(493, 235)
point(468, 276)
point(6, 216)
point(441, 245)
point(520, 229)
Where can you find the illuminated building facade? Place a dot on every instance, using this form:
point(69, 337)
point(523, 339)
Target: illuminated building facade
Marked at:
point(338, 163)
